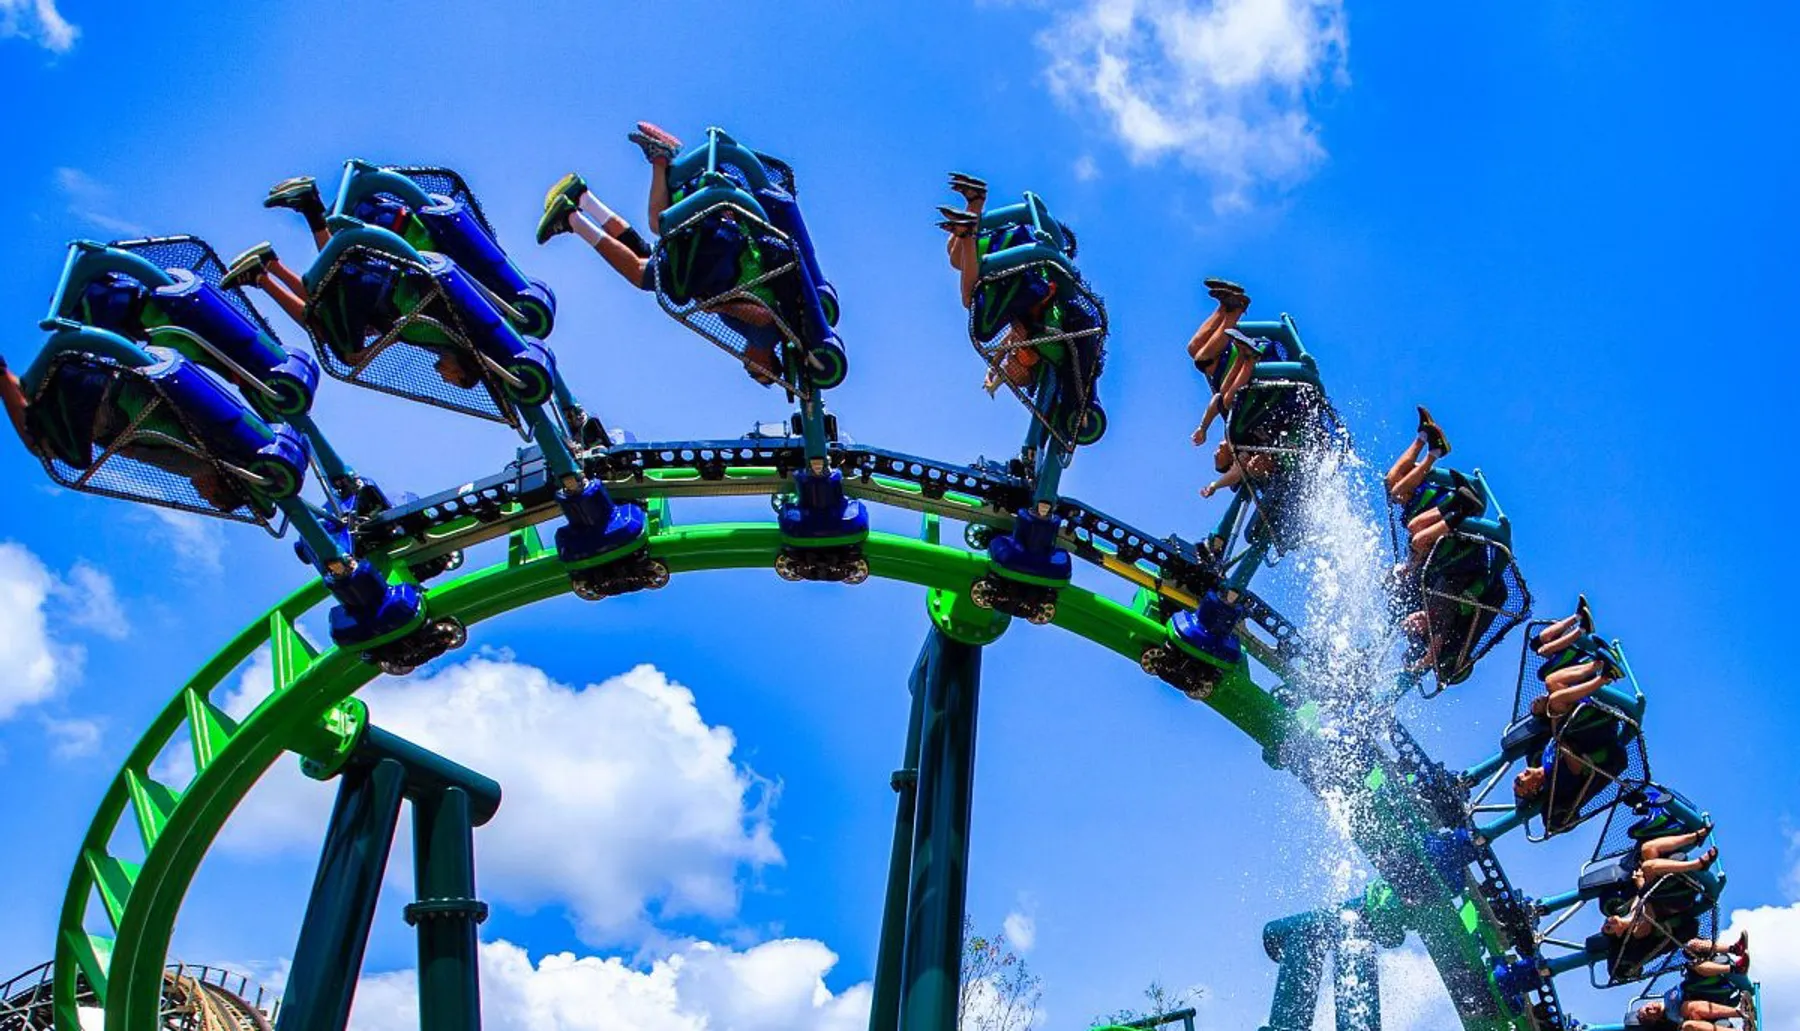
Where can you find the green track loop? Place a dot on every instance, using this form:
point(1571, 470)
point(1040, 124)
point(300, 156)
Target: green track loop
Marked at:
point(302, 715)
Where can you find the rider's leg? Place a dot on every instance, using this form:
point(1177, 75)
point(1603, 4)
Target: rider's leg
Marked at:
point(1653, 870)
point(634, 268)
point(1657, 848)
point(1407, 472)
point(292, 302)
point(1557, 636)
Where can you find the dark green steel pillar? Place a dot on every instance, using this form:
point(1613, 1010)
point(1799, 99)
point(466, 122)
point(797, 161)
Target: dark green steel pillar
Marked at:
point(884, 1007)
point(328, 957)
point(1356, 986)
point(447, 911)
point(1299, 943)
point(949, 678)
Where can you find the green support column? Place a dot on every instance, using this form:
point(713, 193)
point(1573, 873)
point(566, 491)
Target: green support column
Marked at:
point(948, 677)
point(884, 1007)
point(333, 934)
point(1356, 984)
point(1299, 944)
point(446, 912)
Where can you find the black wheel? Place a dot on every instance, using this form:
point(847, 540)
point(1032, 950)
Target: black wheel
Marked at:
point(828, 300)
point(859, 571)
point(537, 319)
point(979, 536)
point(787, 569)
point(1092, 425)
point(1041, 613)
point(1151, 661)
point(586, 591)
point(534, 386)
point(983, 594)
point(395, 668)
point(657, 577)
point(451, 633)
point(833, 366)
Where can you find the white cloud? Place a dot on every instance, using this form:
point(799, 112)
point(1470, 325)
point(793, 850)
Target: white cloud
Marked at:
point(35, 660)
point(198, 541)
point(73, 738)
point(1775, 959)
point(1086, 169)
point(91, 602)
point(775, 986)
point(621, 803)
point(1222, 85)
point(1021, 930)
point(38, 21)
point(89, 199)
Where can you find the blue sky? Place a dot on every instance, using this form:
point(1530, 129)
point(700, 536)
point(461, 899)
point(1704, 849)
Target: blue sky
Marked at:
point(1567, 227)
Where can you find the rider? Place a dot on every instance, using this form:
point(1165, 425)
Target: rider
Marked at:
point(1710, 990)
point(1226, 357)
point(1031, 310)
point(83, 406)
point(1406, 479)
point(724, 255)
point(1233, 467)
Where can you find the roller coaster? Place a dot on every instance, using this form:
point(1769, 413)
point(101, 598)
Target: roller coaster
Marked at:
point(162, 383)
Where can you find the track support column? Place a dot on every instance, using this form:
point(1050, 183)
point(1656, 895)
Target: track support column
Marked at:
point(884, 1006)
point(1356, 984)
point(328, 957)
point(948, 677)
point(446, 912)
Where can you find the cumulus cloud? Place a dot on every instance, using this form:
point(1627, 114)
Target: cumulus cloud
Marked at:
point(621, 803)
point(775, 986)
point(1775, 949)
point(198, 541)
point(1021, 930)
point(72, 738)
point(35, 660)
point(1221, 85)
point(38, 21)
point(90, 200)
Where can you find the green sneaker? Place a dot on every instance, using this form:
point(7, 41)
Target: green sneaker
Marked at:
point(299, 193)
point(571, 186)
point(555, 222)
point(247, 267)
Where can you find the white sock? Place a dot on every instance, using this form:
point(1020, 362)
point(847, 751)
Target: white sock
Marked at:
point(596, 209)
point(585, 228)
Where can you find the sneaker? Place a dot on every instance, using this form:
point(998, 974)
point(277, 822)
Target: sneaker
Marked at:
point(1584, 616)
point(1217, 286)
point(555, 221)
point(247, 267)
point(1432, 434)
point(973, 190)
point(657, 143)
point(300, 193)
point(571, 186)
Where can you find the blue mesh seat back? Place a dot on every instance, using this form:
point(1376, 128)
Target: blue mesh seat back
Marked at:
point(1060, 318)
point(1633, 822)
point(1624, 695)
point(1474, 596)
point(106, 429)
point(197, 256)
point(722, 253)
point(1275, 415)
point(1600, 758)
point(780, 173)
point(383, 322)
point(446, 183)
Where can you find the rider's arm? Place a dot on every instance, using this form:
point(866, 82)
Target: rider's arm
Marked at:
point(13, 395)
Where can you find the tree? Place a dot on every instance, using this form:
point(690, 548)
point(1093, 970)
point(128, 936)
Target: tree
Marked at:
point(1161, 1001)
point(998, 991)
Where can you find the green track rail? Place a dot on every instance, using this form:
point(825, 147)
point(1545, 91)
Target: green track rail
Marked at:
point(177, 826)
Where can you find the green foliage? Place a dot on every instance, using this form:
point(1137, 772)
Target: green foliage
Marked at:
point(1161, 1001)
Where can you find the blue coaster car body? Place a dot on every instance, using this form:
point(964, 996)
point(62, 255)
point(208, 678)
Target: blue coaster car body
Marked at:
point(166, 291)
point(446, 219)
point(416, 325)
point(733, 235)
point(109, 417)
point(1210, 630)
point(370, 609)
point(1030, 551)
point(821, 513)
